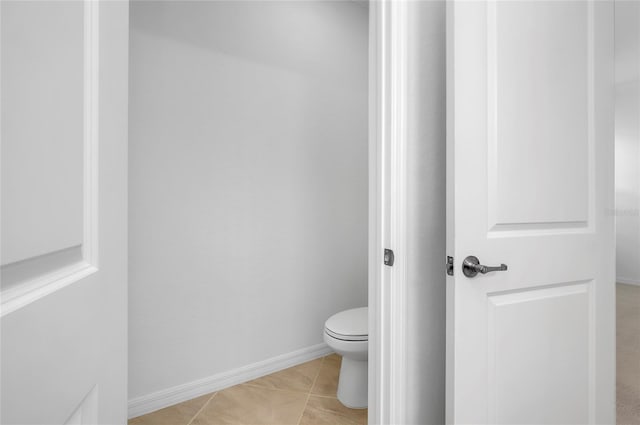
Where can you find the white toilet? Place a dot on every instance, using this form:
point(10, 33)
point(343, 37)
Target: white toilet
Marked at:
point(347, 333)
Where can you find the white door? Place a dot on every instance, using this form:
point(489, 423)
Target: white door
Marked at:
point(64, 212)
point(530, 185)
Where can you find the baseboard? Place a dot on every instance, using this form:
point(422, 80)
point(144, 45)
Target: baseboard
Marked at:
point(170, 396)
point(627, 281)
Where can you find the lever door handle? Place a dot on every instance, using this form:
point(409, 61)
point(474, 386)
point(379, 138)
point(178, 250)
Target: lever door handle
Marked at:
point(471, 267)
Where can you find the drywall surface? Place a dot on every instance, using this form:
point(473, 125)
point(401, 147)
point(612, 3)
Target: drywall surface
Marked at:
point(248, 181)
point(628, 141)
point(426, 230)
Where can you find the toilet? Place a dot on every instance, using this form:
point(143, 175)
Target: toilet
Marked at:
point(347, 333)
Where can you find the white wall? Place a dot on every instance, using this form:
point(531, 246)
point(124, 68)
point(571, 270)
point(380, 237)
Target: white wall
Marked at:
point(628, 141)
point(248, 181)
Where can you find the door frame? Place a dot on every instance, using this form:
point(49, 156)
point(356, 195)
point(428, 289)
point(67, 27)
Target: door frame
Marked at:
point(388, 97)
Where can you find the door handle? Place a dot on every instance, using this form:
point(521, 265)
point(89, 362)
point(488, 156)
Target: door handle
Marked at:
point(471, 266)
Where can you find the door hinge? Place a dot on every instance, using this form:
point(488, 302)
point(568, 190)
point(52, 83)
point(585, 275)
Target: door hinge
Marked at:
point(388, 257)
point(450, 266)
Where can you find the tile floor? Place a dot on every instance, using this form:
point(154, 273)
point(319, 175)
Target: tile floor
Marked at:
point(628, 354)
point(306, 394)
point(303, 395)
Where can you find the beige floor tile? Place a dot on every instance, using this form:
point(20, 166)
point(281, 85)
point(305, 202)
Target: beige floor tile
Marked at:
point(628, 355)
point(326, 410)
point(297, 378)
point(327, 381)
point(179, 414)
point(247, 404)
point(628, 407)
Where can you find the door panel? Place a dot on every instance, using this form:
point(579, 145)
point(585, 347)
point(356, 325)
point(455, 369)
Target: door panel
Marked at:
point(537, 122)
point(530, 159)
point(539, 337)
point(64, 212)
point(42, 127)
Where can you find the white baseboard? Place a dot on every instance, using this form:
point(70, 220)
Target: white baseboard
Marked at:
point(170, 396)
point(627, 281)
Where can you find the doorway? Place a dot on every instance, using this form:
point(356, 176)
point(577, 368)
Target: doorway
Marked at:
point(627, 211)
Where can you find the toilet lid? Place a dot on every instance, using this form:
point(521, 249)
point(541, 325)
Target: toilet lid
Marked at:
point(349, 325)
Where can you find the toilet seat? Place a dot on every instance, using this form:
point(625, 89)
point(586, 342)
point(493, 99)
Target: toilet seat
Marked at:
point(349, 325)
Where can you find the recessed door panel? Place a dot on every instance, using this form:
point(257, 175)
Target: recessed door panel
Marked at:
point(43, 57)
point(537, 344)
point(539, 91)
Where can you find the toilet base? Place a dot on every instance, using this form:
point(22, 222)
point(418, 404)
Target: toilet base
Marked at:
point(353, 383)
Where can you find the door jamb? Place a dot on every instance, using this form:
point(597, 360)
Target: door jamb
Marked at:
point(387, 211)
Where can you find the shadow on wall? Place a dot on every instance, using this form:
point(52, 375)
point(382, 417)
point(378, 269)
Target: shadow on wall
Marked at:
point(282, 34)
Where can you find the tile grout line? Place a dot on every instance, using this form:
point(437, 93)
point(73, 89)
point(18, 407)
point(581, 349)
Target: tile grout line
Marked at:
point(331, 397)
point(202, 408)
point(306, 402)
point(260, 387)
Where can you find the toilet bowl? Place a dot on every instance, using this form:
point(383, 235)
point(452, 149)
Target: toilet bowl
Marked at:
point(347, 333)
